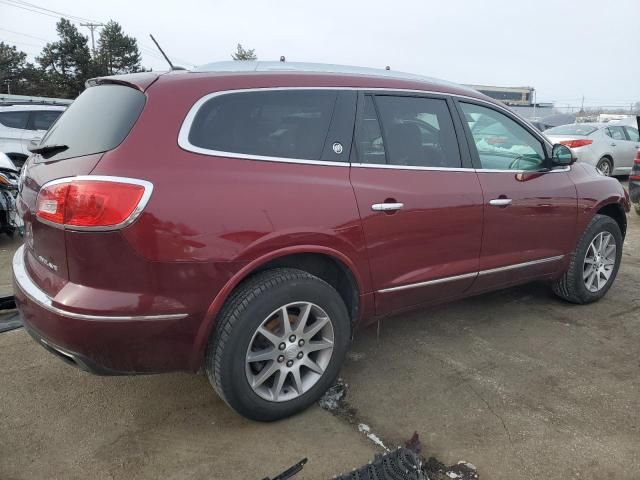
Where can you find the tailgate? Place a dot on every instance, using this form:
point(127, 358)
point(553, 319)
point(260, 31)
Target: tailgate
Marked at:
point(96, 122)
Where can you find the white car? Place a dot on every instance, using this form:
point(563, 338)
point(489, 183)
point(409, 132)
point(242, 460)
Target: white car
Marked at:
point(610, 147)
point(19, 124)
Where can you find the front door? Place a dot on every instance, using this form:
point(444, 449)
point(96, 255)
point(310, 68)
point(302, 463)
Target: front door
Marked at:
point(529, 210)
point(420, 202)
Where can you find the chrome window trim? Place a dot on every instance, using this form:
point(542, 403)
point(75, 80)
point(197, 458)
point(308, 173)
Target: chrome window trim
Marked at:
point(185, 144)
point(34, 293)
point(472, 274)
point(148, 190)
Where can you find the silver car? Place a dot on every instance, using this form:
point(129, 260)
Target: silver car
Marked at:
point(611, 148)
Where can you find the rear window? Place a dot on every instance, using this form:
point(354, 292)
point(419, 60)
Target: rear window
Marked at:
point(573, 129)
point(273, 123)
point(97, 121)
point(14, 119)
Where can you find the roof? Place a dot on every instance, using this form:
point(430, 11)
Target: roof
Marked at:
point(31, 106)
point(250, 66)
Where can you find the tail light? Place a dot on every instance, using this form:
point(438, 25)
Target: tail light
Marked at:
point(92, 202)
point(635, 172)
point(576, 143)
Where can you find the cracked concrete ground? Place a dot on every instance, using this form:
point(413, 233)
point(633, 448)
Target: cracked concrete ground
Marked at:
point(517, 382)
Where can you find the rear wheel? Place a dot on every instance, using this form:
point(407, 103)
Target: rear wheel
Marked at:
point(594, 263)
point(279, 344)
point(605, 165)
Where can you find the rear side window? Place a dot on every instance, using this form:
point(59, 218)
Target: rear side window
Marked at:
point(271, 123)
point(617, 133)
point(418, 132)
point(97, 121)
point(14, 119)
point(42, 120)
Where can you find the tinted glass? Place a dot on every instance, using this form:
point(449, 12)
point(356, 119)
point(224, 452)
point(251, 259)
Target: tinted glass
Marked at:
point(97, 121)
point(572, 129)
point(369, 143)
point(287, 123)
point(14, 119)
point(617, 133)
point(418, 132)
point(633, 134)
point(42, 120)
point(501, 142)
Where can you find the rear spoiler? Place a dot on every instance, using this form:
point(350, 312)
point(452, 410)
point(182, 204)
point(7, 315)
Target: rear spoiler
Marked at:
point(140, 81)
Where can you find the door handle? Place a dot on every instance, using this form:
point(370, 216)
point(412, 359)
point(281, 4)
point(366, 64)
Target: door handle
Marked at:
point(386, 207)
point(613, 144)
point(500, 202)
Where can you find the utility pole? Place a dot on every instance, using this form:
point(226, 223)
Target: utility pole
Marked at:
point(8, 84)
point(92, 27)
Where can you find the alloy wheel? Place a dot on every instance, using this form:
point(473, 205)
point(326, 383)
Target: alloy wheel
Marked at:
point(599, 261)
point(605, 168)
point(289, 351)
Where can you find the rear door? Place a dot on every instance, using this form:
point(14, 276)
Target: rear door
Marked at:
point(624, 150)
point(97, 121)
point(529, 210)
point(419, 199)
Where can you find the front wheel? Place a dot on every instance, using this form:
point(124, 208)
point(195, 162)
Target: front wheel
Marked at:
point(594, 263)
point(279, 344)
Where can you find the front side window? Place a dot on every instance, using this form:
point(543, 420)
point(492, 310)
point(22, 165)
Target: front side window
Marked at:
point(633, 134)
point(501, 142)
point(270, 123)
point(14, 119)
point(418, 132)
point(42, 120)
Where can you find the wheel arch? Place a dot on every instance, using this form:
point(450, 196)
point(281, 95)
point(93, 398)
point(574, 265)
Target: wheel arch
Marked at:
point(331, 266)
point(616, 212)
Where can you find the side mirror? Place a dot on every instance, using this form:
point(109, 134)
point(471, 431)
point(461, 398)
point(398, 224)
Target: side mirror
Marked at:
point(561, 156)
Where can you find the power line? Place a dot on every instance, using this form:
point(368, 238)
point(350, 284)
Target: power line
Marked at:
point(31, 7)
point(24, 34)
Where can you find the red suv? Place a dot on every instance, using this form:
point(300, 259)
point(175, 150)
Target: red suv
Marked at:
point(243, 219)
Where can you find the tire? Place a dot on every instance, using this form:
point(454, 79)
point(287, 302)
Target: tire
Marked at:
point(605, 165)
point(572, 285)
point(257, 303)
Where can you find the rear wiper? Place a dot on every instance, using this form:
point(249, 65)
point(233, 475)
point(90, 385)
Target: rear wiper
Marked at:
point(45, 150)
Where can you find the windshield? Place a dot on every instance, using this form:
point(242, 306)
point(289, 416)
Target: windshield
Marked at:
point(99, 120)
point(572, 129)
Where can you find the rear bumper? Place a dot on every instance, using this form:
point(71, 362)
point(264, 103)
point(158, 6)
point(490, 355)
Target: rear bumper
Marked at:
point(102, 344)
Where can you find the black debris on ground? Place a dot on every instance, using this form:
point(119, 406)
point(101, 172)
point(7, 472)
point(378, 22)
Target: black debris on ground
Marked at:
point(403, 463)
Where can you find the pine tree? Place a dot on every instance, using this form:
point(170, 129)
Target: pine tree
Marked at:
point(67, 63)
point(244, 54)
point(117, 53)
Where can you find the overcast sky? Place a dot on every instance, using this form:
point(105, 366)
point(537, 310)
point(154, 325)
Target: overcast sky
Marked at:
point(565, 49)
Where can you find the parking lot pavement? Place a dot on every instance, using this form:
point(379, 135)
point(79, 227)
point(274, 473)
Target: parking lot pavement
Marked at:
point(518, 383)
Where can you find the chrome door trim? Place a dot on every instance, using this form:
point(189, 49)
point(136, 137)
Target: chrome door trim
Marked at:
point(520, 265)
point(429, 282)
point(472, 274)
point(38, 296)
